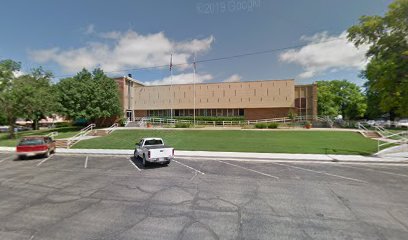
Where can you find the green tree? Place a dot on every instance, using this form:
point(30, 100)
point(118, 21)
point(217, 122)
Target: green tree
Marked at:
point(35, 95)
point(28, 96)
point(88, 96)
point(8, 99)
point(387, 71)
point(340, 97)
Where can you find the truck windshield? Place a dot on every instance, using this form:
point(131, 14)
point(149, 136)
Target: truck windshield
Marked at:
point(153, 142)
point(25, 142)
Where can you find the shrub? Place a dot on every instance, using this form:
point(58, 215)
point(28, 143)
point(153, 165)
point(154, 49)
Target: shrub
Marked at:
point(63, 124)
point(273, 125)
point(182, 125)
point(122, 121)
point(207, 118)
point(261, 125)
point(308, 124)
point(245, 126)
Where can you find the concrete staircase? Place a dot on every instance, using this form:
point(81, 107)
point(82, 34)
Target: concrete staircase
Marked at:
point(133, 124)
point(371, 134)
point(61, 143)
point(99, 133)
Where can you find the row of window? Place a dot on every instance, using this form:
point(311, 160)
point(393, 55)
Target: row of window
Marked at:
point(198, 112)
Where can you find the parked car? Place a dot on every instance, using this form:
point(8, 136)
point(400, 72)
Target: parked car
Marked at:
point(379, 122)
point(153, 150)
point(402, 123)
point(4, 128)
point(34, 146)
point(16, 129)
point(371, 122)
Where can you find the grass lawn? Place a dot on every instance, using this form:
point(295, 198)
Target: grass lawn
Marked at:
point(63, 132)
point(267, 141)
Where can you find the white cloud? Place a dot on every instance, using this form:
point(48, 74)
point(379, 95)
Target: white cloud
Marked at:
point(233, 78)
point(181, 79)
point(123, 50)
point(326, 53)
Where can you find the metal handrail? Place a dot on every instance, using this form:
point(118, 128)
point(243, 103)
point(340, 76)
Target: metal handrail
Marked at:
point(143, 120)
point(77, 137)
point(52, 134)
point(398, 142)
point(112, 128)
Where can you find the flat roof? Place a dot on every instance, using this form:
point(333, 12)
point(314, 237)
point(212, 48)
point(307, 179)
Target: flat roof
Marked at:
point(208, 83)
point(130, 79)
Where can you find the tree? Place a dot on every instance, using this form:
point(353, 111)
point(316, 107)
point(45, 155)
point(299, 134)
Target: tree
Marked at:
point(387, 71)
point(88, 96)
point(340, 97)
point(28, 96)
point(8, 99)
point(35, 95)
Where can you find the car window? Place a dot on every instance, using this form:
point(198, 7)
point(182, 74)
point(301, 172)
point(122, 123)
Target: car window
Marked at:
point(33, 141)
point(153, 142)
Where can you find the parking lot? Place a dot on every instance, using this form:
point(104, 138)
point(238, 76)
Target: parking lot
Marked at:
point(114, 197)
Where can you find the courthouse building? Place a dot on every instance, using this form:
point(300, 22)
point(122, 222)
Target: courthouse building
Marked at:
point(253, 100)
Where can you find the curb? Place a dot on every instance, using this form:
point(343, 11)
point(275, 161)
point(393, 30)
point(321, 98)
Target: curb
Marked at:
point(239, 156)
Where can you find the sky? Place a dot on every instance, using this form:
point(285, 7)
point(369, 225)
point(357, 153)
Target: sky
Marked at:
point(303, 40)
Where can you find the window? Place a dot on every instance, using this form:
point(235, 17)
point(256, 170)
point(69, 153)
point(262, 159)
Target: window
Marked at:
point(241, 112)
point(154, 142)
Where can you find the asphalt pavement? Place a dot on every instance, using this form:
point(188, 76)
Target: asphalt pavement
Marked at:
point(114, 197)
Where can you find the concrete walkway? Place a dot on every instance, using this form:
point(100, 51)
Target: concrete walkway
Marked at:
point(401, 157)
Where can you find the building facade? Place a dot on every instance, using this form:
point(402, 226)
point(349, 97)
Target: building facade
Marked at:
point(252, 100)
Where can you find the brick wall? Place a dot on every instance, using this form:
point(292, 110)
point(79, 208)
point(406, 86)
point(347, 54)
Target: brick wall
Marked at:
point(140, 113)
point(265, 113)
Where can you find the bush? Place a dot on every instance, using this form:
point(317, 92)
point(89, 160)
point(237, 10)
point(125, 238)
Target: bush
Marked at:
point(207, 118)
point(261, 125)
point(273, 125)
point(122, 121)
point(182, 125)
point(63, 124)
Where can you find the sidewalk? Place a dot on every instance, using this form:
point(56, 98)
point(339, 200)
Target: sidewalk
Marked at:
point(400, 158)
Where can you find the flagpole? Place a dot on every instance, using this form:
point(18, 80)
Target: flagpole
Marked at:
point(194, 92)
point(171, 86)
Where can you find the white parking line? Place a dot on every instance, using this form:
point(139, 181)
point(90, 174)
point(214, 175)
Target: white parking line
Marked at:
point(375, 170)
point(43, 161)
point(7, 158)
point(248, 169)
point(130, 160)
point(188, 167)
point(293, 161)
point(320, 172)
point(86, 162)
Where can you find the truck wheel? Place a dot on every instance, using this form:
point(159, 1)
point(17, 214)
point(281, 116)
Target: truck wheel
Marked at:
point(135, 156)
point(144, 161)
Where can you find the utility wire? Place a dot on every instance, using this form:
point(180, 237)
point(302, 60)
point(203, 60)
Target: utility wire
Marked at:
point(215, 59)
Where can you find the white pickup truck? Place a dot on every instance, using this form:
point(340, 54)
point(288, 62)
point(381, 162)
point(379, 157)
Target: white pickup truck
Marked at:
point(153, 150)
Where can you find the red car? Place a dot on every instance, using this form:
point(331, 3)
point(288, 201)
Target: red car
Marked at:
point(34, 146)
